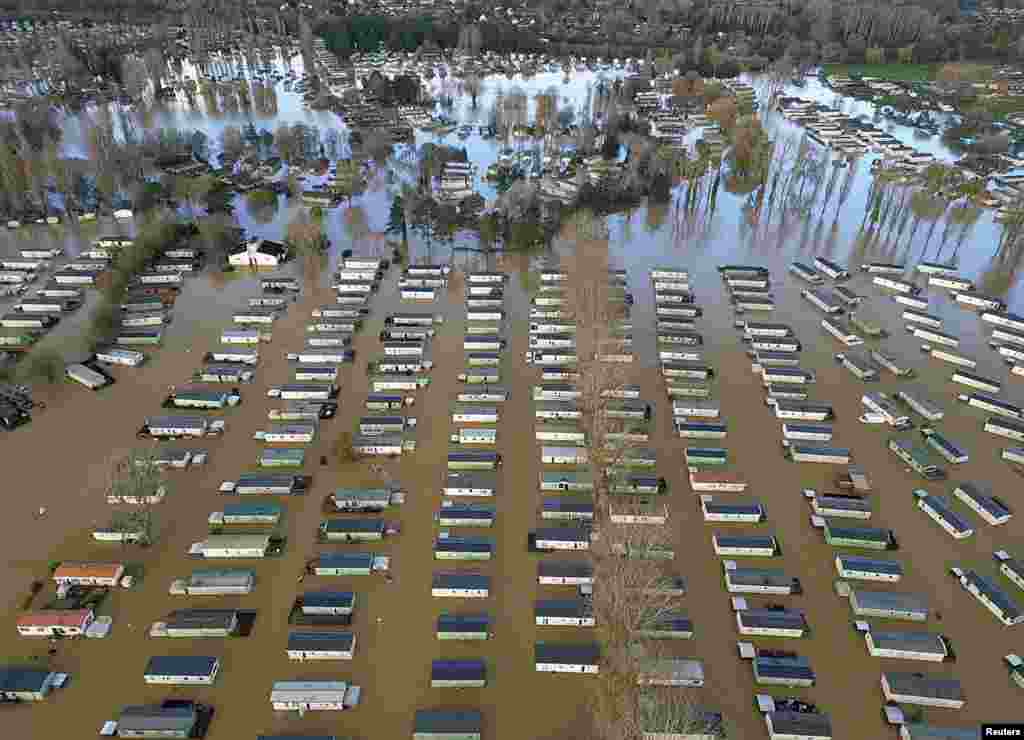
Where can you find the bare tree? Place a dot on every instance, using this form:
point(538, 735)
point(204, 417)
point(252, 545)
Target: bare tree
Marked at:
point(136, 479)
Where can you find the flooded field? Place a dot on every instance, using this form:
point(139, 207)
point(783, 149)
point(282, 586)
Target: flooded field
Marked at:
point(60, 461)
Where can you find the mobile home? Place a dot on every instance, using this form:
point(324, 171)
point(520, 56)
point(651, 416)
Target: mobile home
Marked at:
point(551, 657)
point(460, 584)
point(990, 508)
point(758, 580)
point(928, 690)
point(783, 670)
point(868, 569)
point(762, 546)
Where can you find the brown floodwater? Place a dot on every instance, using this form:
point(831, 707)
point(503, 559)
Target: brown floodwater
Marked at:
point(60, 461)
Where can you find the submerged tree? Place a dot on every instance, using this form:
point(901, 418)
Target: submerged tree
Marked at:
point(138, 480)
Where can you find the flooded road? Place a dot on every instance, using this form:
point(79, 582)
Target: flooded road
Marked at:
point(60, 461)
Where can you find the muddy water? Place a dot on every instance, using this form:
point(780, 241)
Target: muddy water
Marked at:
point(80, 430)
point(59, 461)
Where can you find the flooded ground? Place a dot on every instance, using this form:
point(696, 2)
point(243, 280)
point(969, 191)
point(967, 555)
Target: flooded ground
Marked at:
point(60, 461)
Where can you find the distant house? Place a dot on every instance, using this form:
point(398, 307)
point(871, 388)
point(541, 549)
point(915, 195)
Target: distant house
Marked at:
point(82, 573)
point(178, 719)
point(24, 684)
point(259, 253)
point(55, 623)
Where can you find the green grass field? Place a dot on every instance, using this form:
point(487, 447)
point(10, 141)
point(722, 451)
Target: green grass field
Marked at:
point(895, 72)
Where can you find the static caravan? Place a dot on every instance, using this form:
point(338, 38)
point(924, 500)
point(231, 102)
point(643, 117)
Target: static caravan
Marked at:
point(992, 596)
point(234, 353)
point(281, 457)
point(561, 538)
point(387, 445)
point(771, 622)
point(783, 670)
point(934, 335)
point(699, 430)
point(306, 696)
point(405, 334)
point(786, 392)
point(345, 564)
point(224, 372)
point(364, 263)
point(688, 370)
point(119, 356)
point(761, 546)
point(948, 449)
point(181, 670)
point(383, 383)
point(859, 365)
point(304, 392)
point(1008, 335)
point(139, 336)
point(404, 349)
point(979, 300)
point(673, 296)
point(305, 646)
point(921, 731)
point(972, 380)
point(262, 484)
point(313, 356)
point(364, 500)
point(443, 724)
point(775, 358)
point(895, 284)
point(261, 315)
point(479, 376)
point(758, 580)
point(839, 506)
point(350, 326)
point(889, 605)
point(559, 433)
point(458, 674)
point(993, 405)
point(551, 357)
point(680, 336)
point(883, 268)
point(892, 364)
point(243, 336)
point(215, 583)
point(371, 425)
point(475, 415)
point(919, 402)
point(921, 317)
point(463, 627)
point(482, 343)
point(460, 584)
point(469, 484)
point(990, 508)
point(86, 376)
point(199, 398)
point(951, 283)
point(1004, 428)
point(921, 689)
point(806, 273)
point(675, 352)
point(807, 432)
point(456, 514)
point(567, 481)
point(561, 657)
point(458, 460)
point(232, 546)
point(557, 410)
point(731, 511)
point(388, 402)
point(917, 459)
point(463, 548)
point(329, 339)
point(181, 426)
point(914, 301)
point(868, 569)
point(555, 392)
point(1014, 455)
point(483, 394)
point(563, 613)
point(824, 300)
point(716, 480)
point(1010, 567)
point(786, 725)
point(781, 375)
point(564, 573)
point(484, 359)
point(907, 645)
point(756, 329)
point(841, 331)
point(670, 672)
point(358, 287)
point(54, 623)
point(267, 514)
point(802, 411)
point(840, 534)
point(676, 310)
point(76, 277)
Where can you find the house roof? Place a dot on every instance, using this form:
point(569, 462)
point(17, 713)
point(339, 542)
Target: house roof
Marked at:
point(13, 678)
point(84, 569)
point(157, 718)
point(55, 618)
point(180, 665)
point(432, 720)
